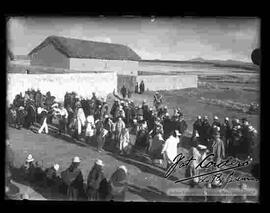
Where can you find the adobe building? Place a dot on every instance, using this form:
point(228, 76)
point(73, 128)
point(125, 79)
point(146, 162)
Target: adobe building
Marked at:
point(88, 56)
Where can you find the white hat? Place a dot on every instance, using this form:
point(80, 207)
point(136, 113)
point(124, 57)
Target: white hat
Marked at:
point(106, 116)
point(165, 107)
point(56, 166)
point(76, 160)
point(29, 158)
point(167, 114)
point(39, 110)
point(55, 105)
point(99, 162)
point(21, 108)
point(216, 117)
point(123, 168)
point(90, 118)
point(197, 135)
point(199, 117)
point(177, 133)
point(237, 121)
point(201, 146)
point(226, 119)
point(218, 128)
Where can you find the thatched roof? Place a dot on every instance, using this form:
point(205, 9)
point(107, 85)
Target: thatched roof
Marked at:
point(76, 48)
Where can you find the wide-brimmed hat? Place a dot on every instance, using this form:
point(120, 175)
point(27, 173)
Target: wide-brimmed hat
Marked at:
point(56, 166)
point(177, 132)
point(76, 159)
point(55, 105)
point(202, 147)
point(29, 158)
point(99, 162)
point(123, 168)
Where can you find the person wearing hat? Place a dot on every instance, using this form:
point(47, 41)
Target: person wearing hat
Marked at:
point(142, 87)
point(215, 124)
point(109, 126)
point(90, 128)
point(44, 126)
point(225, 134)
point(125, 145)
point(218, 148)
point(95, 176)
point(20, 118)
point(248, 145)
point(157, 101)
point(119, 125)
point(168, 126)
point(169, 150)
point(114, 108)
point(118, 184)
point(137, 89)
point(29, 168)
point(101, 138)
point(198, 153)
point(127, 111)
point(197, 126)
point(80, 121)
point(52, 175)
point(123, 91)
point(181, 124)
point(141, 142)
point(73, 179)
point(63, 118)
point(235, 141)
point(156, 146)
point(205, 135)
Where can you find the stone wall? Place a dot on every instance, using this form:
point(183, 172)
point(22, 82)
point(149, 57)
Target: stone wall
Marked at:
point(168, 82)
point(58, 84)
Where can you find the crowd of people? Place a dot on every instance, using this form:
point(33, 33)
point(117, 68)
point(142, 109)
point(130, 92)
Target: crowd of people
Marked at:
point(129, 128)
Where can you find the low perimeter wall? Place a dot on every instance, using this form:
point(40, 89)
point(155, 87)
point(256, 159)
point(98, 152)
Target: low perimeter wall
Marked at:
point(58, 84)
point(168, 82)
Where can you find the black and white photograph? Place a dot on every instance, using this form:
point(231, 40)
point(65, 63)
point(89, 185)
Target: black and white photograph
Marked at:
point(130, 108)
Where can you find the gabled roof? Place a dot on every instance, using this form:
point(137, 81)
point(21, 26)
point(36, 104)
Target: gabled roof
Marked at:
point(76, 48)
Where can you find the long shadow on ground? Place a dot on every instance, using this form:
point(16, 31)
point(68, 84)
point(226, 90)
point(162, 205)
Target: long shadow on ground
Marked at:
point(54, 133)
point(144, 167)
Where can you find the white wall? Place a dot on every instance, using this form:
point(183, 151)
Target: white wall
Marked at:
point(58, 84)
point(120, 66)
point(168, 82)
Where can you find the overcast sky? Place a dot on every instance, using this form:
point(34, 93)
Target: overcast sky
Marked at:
point(160, 38)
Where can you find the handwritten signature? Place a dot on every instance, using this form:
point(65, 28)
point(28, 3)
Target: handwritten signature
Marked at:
point(209, 164)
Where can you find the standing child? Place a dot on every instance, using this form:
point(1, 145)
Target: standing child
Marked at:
point(90, 128)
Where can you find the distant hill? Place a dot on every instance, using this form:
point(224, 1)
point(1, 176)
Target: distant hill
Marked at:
point(228, 63)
